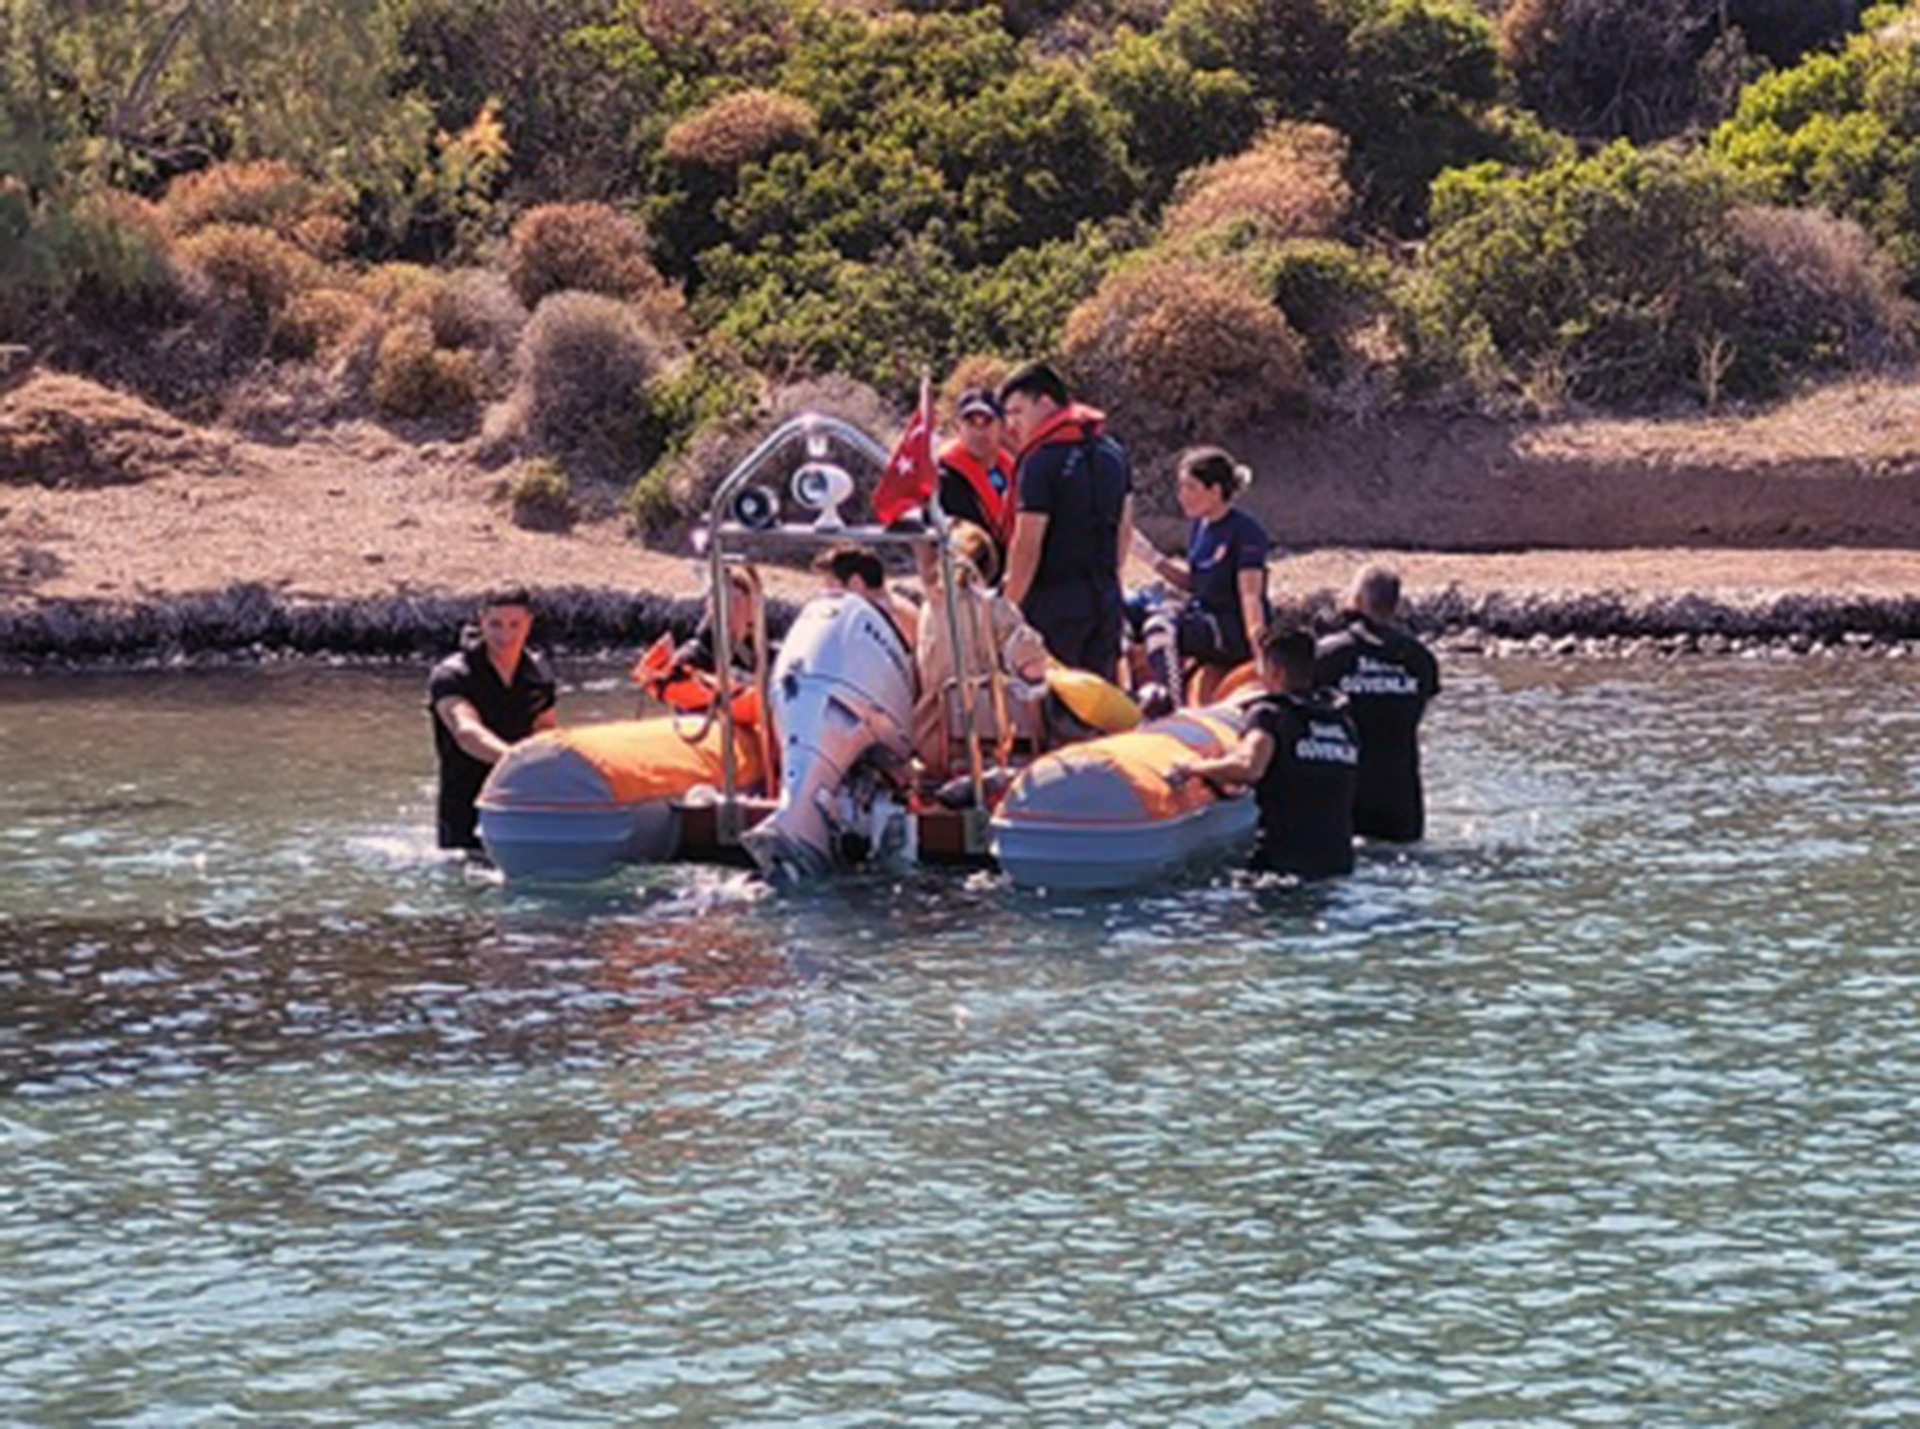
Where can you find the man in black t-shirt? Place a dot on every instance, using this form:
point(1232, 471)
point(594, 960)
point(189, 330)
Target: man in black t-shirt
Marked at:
point(1073, 521)
point(1300, 753)
point(484, 698)
point(1388, 677)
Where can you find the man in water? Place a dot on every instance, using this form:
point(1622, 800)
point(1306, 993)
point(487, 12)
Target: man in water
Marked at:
point(486, 697)
point(1300, 754)
point(1073, 522)
point(1388, 677)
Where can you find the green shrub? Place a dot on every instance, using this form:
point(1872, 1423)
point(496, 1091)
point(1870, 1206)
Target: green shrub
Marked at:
point(1021, 303)
point(251, 266)
point(585, 362)
point(1625, 68)
point(1601, 275)
point(260, 194)
point(413, 378)
point(1174, 114)
point(815, 312)
point(1841, 132)
point(1184, 353)
point(119, 262)
point(583, 247)
point(541, 497)
point(739, 128)
point(1341, 301)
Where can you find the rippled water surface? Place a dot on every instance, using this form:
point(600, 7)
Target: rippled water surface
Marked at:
point(1600, 1108)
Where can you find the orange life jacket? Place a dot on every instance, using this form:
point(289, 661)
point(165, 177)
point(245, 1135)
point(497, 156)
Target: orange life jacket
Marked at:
point(682, 687)
point(995, 499)
point(1072, 424)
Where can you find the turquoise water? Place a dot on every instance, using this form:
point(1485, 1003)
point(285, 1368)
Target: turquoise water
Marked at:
point(1599, 1108)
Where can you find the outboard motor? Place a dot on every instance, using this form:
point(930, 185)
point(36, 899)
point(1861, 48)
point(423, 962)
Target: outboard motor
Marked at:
point(841, 698)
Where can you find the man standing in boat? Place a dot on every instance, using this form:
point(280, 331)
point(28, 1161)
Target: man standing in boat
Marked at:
point(1300, 755)
point(1073, 521)
point(486, 697)
point(1388, 677)
point(976, 471)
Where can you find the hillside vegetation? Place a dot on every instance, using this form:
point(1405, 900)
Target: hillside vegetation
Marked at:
point(605, 239)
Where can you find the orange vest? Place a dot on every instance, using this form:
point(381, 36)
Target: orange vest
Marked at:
point(996, 501)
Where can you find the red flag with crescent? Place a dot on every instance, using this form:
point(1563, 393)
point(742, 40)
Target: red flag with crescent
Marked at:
point(911, 475)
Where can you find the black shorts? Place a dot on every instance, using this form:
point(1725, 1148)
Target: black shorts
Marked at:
point(1078, 636)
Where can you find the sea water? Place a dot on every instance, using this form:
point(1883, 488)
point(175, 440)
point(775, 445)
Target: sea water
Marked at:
point(1600, 1107)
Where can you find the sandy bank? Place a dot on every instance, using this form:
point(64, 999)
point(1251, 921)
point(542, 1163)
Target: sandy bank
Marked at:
point(127, 535)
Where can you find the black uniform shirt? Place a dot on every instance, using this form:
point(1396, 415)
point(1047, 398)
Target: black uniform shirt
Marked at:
point(1387, 676)
point(1306, 794)
point(509, 710)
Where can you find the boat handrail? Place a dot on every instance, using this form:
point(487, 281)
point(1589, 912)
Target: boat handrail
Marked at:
point(817, 431)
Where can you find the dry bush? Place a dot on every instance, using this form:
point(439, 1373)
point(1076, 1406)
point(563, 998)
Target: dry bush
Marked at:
point(583, 366)
point(1816, 288)
point(318, 322)
point(740, 128)
point(1288, 185)
point(414, 378)
point(261, 194)
point(405, 289)
point(476, 308)
point(1185, 353)
point(259, 269)
point(587, 247)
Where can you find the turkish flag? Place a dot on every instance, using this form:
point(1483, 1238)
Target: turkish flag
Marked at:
point(911, 475)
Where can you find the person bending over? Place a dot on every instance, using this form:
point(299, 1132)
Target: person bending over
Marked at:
point(1388, 677)
point(1300, 755)
point(1224, 577)
point(485, 697)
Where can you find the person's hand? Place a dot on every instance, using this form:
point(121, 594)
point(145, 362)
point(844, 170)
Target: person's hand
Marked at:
point(1179, 773)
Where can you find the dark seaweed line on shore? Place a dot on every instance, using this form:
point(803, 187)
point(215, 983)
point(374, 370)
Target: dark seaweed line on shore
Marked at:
point(252, 621)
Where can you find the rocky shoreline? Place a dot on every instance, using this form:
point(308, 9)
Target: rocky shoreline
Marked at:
point(249, 622)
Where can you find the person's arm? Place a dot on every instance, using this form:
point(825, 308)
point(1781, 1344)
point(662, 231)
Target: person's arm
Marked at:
point(1023, 556)
point(1253, 610)
point(1170, 569)
point(1125, 540)
point(906, 617)
point(469, 731)
point(1245, 763)
point(548, 718)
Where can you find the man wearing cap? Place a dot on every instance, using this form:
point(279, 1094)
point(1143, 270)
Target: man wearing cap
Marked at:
point(976, 471)
point(485, 698)
point(1073, 521)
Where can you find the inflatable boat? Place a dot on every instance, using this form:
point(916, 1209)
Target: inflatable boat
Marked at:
point(803, 768)
point(576, 804)
point(1102, 814)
